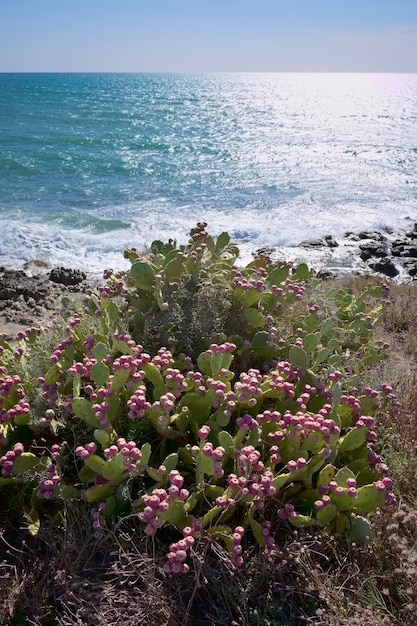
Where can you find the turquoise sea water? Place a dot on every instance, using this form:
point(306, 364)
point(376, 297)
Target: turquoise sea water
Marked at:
point(92, 163)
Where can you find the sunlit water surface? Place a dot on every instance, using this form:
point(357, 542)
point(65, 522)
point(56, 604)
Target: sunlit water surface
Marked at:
point(93, 163)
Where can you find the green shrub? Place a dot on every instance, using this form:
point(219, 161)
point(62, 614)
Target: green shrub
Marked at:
point(202, 397)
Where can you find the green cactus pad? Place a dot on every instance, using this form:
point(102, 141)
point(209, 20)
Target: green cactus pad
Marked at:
point(67, 492)
point(175, 514)
point(159, 247)
point(143, 275)
point(205, 465)
point(52, 375)
point(299, 358)
point(343, 503)
point(302, 272)
point(278, 275)
point(223, 241)
point(260, 339)
point(146, 451)
point(322, 356)
point(360, 530)
point(26, 461)
point(170, 462)
point(102, 436)
point(100, 374)
point(310, 342)
point(369, 499)
point(326, 515)
point(268, 301)
point(204, 363)
point(154, 474)
point(226, 440)
point(326, 474)
point(256, 530)
point(22, 419)
point(96, 463)
point(254, 317)
point(111, 471)
point(342, 475)
point(354, 439)
point(98, 493)
point(216, 363)
point(174, 270)
point(303, 521)
point(34, 524)
point(280, 480)
point(120, 378)
point(83, 410)
point(198, 406)
point(100, 351)
point(326, 327)
point(153, 374)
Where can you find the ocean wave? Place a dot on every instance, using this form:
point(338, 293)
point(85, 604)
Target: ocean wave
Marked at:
point(91, 164)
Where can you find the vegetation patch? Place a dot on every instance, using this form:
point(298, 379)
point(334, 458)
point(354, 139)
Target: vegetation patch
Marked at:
point(208, 409)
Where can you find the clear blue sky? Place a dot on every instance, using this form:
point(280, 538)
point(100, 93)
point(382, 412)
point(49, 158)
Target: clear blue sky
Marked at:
point(208, 35)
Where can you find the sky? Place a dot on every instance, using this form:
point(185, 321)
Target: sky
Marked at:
point(208, 36)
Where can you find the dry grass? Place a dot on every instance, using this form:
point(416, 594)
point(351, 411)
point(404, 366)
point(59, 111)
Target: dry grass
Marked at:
point(64, 577)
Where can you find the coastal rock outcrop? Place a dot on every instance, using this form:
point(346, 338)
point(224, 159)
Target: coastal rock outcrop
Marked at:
point(66, 276)
point(385, 266)
point(373, 249)
point(35, 299)
point(388, 253)
point(327, 241)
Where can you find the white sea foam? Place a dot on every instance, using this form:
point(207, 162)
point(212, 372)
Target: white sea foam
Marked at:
point(284, 230)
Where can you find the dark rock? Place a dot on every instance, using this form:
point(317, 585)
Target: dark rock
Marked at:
point(315, 243)
point(266, 251)
point(410, 265)
point(376, 236)
point(352, 236)
point(330, 242)
point(66, 276)
point(409, 251)
point(370, 249)
point(24, 320)
point(8, 294)
point(326, 242)
point(397, 243)
point(325, 275)
point(403, 248)
point(385, 266)
point(35, 265)
point(398, 246)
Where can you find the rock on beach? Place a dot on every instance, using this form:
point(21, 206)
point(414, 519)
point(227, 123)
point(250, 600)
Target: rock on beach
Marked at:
point(33, 297)
point(368, 252)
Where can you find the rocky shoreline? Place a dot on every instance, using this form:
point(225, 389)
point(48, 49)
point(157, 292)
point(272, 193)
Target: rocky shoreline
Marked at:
point(33, 296)
point(369, 252)
point(383, 253)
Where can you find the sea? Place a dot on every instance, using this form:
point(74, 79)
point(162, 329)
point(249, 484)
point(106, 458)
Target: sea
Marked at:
point(91, 164)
